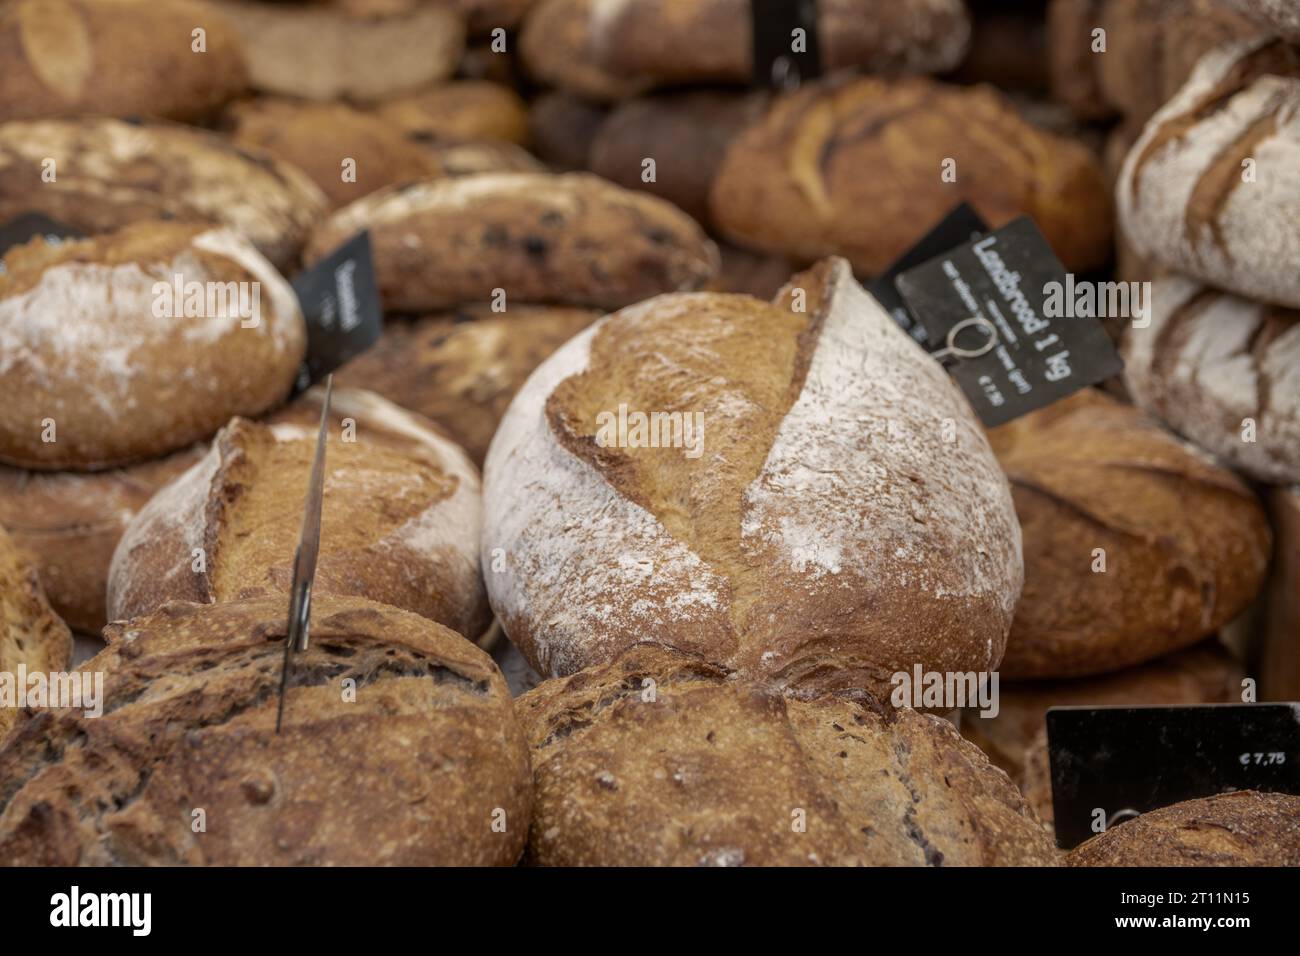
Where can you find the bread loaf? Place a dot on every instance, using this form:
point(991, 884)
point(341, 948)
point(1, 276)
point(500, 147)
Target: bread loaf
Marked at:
point(856, 168)
point(812, 526)
point(410, 767)
point(461, 370)
point(471, 157)
point(31, 634)
point(1279, 664)
point(134, 344)
point(96, 175)
point(1279, 16)
point(362, 50)
point(1231, 829)
point(571, 239)
point(1135, 542)
point(70, 523)
point(69, 57)
point(1222, 371)
point(460, 110)
point(1072, 57)
point(555, 45)
point(658, 758)
point(400, 518)
point(562, 128)
point(1210, 188)
point(691, 41)
point(347, 153)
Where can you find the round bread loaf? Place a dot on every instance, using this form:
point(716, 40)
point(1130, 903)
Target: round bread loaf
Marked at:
point(69, 57)
point(31, 634)
point(347, 153)
point(1222, 371)
point(461, 370)
point(1135, 542)
point(572, 239)
point(1232, 829)
point(107, 173)
point(137, 343)
point(827, 165)
point(659, 758)
point(825, 513)
point(461, 110)
point(1210, 188)
point(400, 519)
point(555, 45)
point(562, 128)
point(691, 41)
point(70, 523)
point(409, 764)
point(363, 50)
point(1280, 16)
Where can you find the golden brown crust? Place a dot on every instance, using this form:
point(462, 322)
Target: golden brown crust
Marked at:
point(461, 370)
point(31, 634)
point(116, 58)
point(1185, 543)
point(1232, 829)
point(555, 45)
point(794, 184)
point(407, 769)
point(659, 758)
point(460, 110)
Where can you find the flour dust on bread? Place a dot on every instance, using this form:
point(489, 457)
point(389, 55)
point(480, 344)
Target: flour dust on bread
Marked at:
point(1278, 16)
point(824, 533)
point(400, 518)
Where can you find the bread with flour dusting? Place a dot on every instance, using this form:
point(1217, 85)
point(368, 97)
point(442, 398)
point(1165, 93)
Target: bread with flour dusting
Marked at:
point(842, 518)
point(1222, 371)
point(400, 520)
point(1280, 16)
point(103, 361)
point(569, 239)
point(108, 173)
point(1211, 188)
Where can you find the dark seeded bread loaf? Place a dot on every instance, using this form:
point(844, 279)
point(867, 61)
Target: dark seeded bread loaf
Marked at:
point(408, 764)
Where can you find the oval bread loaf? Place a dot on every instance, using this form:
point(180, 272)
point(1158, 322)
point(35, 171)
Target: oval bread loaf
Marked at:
point(107, 173)
point(804, 520)
point(409, 772)
point(555, 45)
point(400, 519)
point(571, 239)
point(134, 344)
point(659, 759)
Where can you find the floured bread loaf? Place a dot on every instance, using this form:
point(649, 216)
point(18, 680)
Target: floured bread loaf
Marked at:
point(361, 50)
point(692, 41)
point(1280, 16)
point(1232, 829)
point(556, 47)
point(137, 343)
point(70, 523)
point(411, 768)
point(461, 370)
point(69, 57)
point(806, 521)
point(109, 173)
point(400, 519)
point(1222, 371)
point(347, 153)
point(572, 239)
point(660, 758)
point(460, 110)
point(31, 634)
point(1135, 542)
point(856, 167)
point(1210, 189)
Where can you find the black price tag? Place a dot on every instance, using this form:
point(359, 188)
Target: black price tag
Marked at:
point(30, 225)
point(1110, 763)
point(786, 49)
point(961, 225)
point(340, 301)
point(992, 293)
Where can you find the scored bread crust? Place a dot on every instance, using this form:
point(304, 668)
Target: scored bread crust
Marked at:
point(571, 239)
point(1185, 198)
point(108, 173)
point(1184, 541)
point(827, 536)
point(409, 764)
point(660, 758)
point(400, 518)
point(1232, 829)
point(1212, 365)
point(88, 344)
